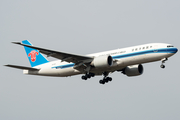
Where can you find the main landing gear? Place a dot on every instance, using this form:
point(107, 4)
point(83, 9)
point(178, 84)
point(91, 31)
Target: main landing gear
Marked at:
point(163, 61)
point(87, 75)
point(105, 79)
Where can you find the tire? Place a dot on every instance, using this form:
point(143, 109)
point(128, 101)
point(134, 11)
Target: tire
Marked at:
point(92, 74)
point(101, 82)
point(109, 78)
point(88, 76)
point(84, 77)
point(106, 80)
point(162, 66)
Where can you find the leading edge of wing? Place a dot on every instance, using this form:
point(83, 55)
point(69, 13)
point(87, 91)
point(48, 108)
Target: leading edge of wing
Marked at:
point(59, 55)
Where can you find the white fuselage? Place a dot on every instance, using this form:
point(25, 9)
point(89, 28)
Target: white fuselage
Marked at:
point(121, 58)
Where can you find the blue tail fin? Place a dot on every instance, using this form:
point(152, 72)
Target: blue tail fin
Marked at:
point(34, 56)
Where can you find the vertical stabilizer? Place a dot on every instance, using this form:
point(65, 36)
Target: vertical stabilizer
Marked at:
point(34, 56)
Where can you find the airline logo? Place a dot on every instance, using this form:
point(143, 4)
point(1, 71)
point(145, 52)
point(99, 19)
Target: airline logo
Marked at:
point(33, 54)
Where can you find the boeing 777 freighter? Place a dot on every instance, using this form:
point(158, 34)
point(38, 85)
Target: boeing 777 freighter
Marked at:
point(127, 60)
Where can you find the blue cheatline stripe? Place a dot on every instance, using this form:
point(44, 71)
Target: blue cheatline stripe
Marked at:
point(64, 66)
point(162, 50)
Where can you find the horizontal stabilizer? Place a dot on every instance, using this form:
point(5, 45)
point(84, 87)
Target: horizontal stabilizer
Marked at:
point(16, 42)
point(21, 67)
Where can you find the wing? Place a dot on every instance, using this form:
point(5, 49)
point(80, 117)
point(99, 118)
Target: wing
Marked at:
point(61, 55)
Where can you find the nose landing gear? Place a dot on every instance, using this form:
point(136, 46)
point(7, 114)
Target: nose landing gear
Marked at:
point(163, 61)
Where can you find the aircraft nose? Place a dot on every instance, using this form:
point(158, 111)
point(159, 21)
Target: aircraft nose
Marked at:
point(175, 50)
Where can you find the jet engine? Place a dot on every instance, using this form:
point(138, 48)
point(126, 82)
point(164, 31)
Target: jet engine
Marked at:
point(102, 61)
point(133, 70)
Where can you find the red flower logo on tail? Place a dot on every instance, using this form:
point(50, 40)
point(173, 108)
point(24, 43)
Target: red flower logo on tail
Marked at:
point(33, 54)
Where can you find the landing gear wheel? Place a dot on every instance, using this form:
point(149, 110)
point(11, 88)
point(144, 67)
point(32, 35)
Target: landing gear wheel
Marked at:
point(109, 78)
point(88, 76)
point(162, 66)
point(92, 74)
point(106, 80)
point(84, 77)
point(102, 82)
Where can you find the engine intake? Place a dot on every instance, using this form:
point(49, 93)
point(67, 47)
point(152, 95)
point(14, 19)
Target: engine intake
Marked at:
point(102, 61)
point(133, 70)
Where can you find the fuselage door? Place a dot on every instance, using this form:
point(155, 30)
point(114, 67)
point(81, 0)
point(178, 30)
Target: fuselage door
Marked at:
point(156, 48)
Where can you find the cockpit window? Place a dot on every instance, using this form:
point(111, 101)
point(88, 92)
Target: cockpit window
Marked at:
point(170, 46)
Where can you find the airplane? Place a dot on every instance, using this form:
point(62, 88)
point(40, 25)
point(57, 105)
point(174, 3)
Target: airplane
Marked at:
point(126, 60)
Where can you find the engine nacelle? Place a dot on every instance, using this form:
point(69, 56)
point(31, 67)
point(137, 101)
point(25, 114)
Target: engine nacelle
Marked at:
point(133, 70)
point(102, 61)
